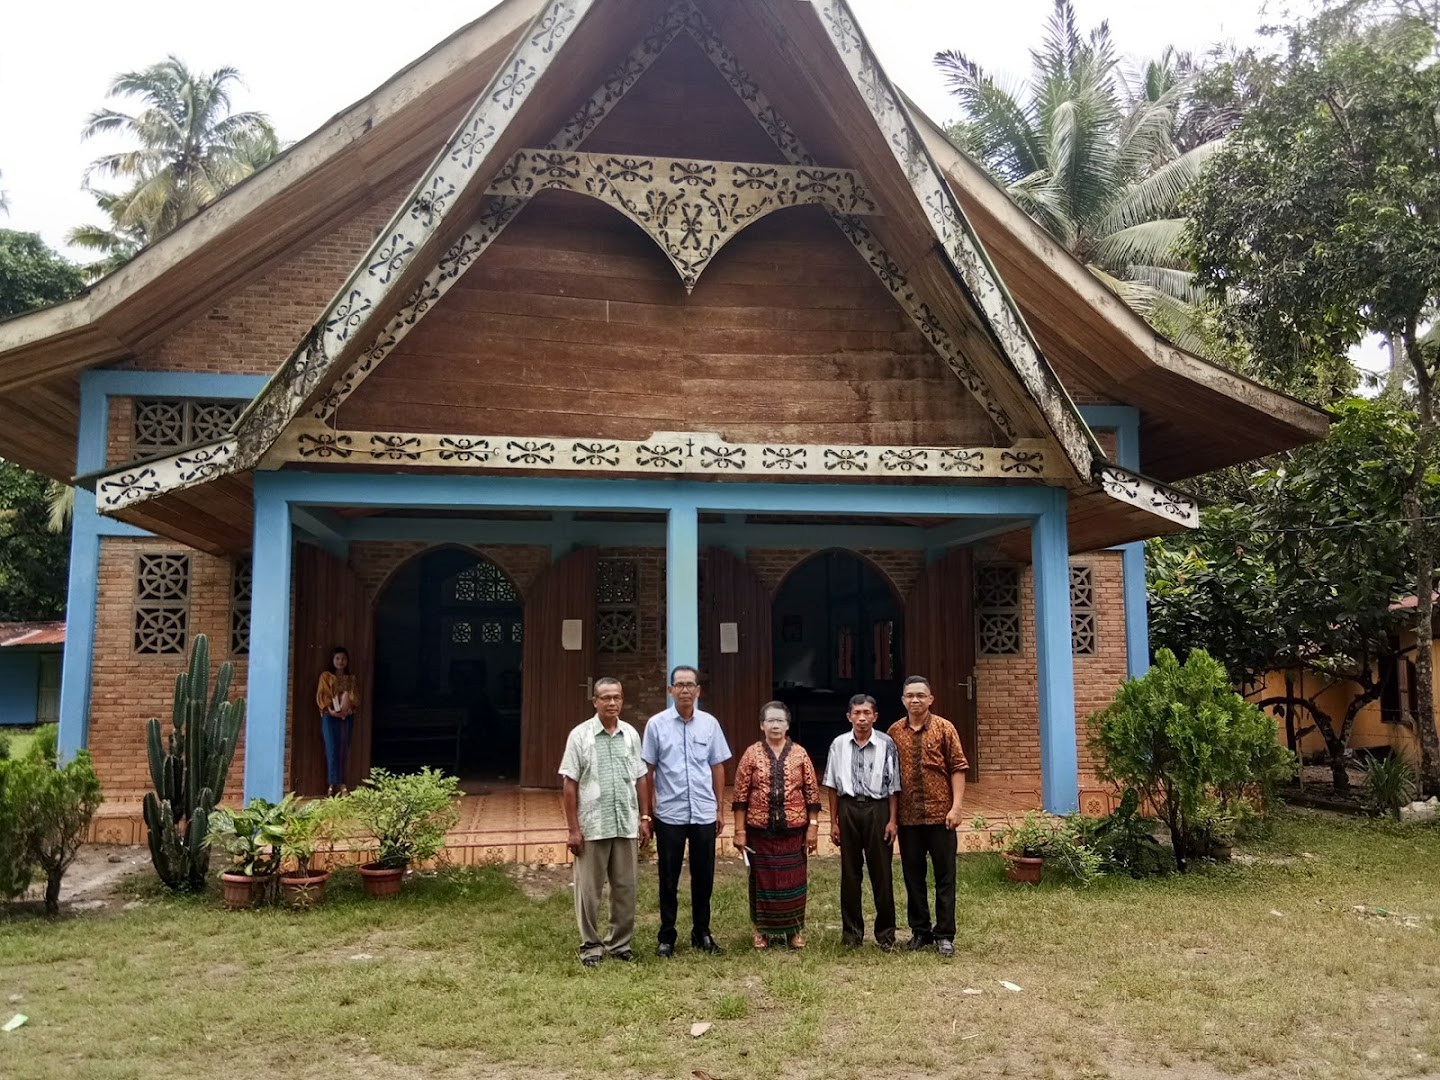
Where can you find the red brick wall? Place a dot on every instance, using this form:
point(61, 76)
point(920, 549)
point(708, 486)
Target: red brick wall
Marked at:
point(129, 688)
point(256, 328)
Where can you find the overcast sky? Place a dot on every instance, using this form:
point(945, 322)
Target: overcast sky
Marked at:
point(304, 61)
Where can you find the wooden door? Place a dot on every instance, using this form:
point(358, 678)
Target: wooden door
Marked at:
point(331, 609)
point(940, 644)
point(736, 683)
point(555, 689)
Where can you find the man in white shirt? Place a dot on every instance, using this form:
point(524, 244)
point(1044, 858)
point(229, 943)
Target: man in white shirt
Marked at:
point(862, 777)
point(607, 809)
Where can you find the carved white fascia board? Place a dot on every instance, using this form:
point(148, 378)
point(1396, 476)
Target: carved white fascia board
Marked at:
point(183, 469)
point(1163, 501)
point(669, 453)
point(691, 208)
point(411, 233)
point(959, 242)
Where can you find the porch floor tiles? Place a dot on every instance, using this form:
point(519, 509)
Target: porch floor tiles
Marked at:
point(505, 824)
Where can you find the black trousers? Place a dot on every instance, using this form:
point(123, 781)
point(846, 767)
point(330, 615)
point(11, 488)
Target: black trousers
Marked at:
point(920, 846)
point(863, 846)
point(670, 841)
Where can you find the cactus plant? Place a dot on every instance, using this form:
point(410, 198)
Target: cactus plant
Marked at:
point(188, 769)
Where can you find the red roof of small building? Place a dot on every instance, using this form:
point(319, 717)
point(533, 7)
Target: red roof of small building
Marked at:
point(32, 633)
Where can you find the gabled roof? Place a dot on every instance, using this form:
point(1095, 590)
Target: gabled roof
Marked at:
point(866, 121)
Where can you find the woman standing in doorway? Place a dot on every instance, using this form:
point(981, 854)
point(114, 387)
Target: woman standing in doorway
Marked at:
point(777, 818)
point(338, 696)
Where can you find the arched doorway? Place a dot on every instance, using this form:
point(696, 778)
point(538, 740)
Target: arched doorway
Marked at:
point(449, 637)
point(837, 627)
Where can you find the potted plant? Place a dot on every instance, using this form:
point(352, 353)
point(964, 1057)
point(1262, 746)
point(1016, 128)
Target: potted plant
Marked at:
point(308, 826)
point(408, 816)
point(252, 837)
point(1025, 846)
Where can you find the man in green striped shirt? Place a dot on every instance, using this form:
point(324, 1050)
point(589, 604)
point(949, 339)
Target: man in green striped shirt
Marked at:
point(607, 809)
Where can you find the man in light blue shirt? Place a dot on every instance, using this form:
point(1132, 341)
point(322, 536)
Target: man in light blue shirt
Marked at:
point(686, 752)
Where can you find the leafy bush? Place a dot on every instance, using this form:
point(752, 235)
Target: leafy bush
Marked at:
point(1063, 846)
point(307, 826)
point(1180, 736)
point(1390, 783)
point(1125, 841)
point(45, 812)
point(252, 836)
point(408, 815)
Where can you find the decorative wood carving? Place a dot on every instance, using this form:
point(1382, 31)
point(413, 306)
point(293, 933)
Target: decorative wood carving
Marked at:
point(672, 454)
point(691, 208)
point(186, 468)
point(1159, 499)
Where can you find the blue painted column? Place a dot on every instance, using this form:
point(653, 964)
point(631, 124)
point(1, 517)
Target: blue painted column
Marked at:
point(82, 599)
point(1137, 610)
point(1059, 764)
point(682, 585)
point(267, 702)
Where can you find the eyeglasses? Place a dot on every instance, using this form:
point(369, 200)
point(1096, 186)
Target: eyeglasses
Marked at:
point(914, 697)
point(686, 686)
point(608, 697)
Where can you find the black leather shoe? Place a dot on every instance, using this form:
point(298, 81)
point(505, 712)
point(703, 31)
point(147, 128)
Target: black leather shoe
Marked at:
point(624, 957)
point(708, 944)
point(918, 942)
point(886, 946)
point(591, 961)
point(665, 949)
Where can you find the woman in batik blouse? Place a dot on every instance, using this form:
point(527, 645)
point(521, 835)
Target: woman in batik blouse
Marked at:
point(777, 823)
point(338, 696)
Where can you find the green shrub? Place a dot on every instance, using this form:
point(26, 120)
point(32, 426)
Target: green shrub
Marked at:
point(1390, 783)
point(1125, 841)
point(408, 815)
point(251, 836)
point(1063, 846)
point(1180, 736)
point(45, 812)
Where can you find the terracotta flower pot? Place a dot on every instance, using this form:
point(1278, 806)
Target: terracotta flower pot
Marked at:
point(243, 890)
point(1019, 868)
point(381, 881)
point(303, 890)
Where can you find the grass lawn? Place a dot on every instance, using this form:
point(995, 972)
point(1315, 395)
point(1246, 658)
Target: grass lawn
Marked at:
point(1265, 969)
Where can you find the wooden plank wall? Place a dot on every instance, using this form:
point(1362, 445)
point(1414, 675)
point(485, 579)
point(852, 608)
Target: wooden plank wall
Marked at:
point(736, 684)
point(553, 697)
point(574, 323)
point(940, 643)
point(331, 609)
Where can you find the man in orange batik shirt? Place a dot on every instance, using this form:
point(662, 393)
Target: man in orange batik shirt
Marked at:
point(932, 786)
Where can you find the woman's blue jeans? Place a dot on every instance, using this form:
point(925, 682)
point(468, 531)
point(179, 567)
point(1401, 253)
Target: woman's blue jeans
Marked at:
point(336, 732)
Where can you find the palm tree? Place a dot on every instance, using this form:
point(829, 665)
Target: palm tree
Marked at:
point(192, 149)
point(1094, 159)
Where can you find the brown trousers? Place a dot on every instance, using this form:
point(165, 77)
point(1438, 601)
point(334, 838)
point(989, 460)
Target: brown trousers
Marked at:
point(612, 860)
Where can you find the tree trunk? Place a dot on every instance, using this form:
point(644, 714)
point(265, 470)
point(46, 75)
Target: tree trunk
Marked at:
point(52, 891)
point(1424, 567)
point(1335, 744)
point(1291, 740)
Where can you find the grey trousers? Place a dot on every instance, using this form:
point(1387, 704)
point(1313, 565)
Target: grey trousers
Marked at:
point(612, 860)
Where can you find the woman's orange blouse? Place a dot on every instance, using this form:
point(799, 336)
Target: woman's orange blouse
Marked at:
point(331, 687)
point(776, 791)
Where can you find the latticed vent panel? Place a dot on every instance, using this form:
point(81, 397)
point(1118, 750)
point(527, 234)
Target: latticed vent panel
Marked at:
point(163, 424)
point(482, 583)
point(162, 603)
point(242, 588)
point(1083, 638)
point(997, 610)
point(617, 592)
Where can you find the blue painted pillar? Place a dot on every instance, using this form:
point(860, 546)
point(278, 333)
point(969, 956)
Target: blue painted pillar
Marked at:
point(82, 599)
point(1137, 610)
point(267, 703)
point(682, 585)
point(1059, 765)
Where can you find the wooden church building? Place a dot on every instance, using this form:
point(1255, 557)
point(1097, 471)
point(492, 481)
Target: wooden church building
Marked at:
point(610, 335)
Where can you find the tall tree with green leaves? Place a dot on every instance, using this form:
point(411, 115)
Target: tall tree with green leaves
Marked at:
point(1094, 159)
point(1319, 224)
point(1304, 573)
point(189, 149)
point(32, 275)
